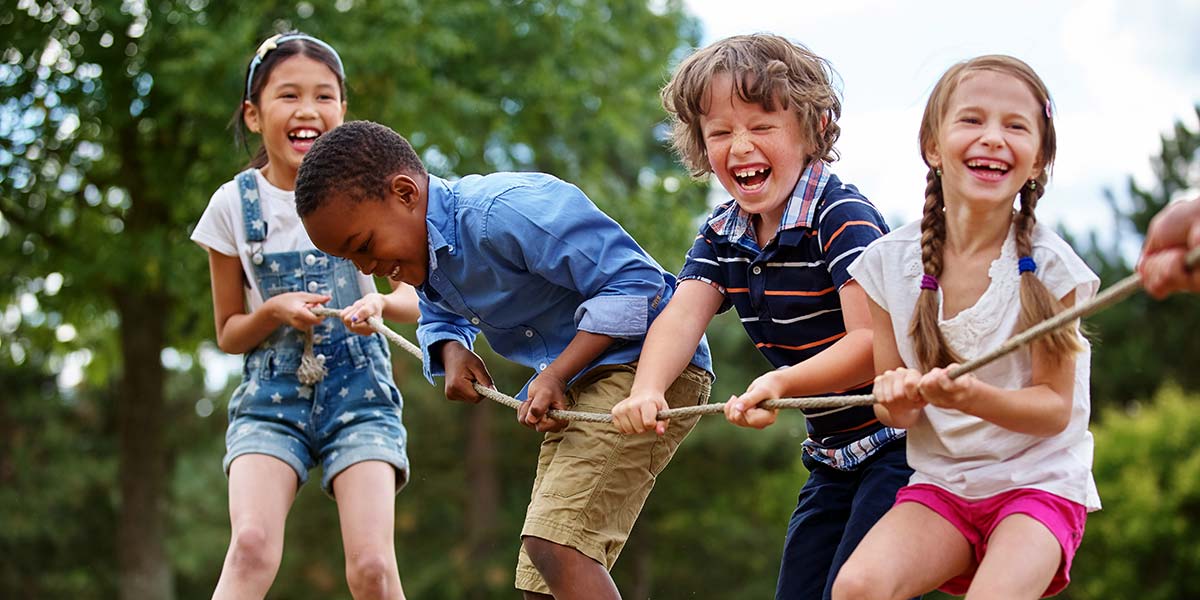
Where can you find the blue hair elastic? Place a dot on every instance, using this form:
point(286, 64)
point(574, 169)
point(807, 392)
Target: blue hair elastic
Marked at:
point(1026, 265)
point(274, 41)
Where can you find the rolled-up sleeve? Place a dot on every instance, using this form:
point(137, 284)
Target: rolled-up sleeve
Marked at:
point(558, 234)
point(435, 326)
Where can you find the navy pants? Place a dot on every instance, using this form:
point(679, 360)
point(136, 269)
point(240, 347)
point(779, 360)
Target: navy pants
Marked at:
point(833, 513)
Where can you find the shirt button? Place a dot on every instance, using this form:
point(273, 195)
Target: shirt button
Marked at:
point(257, 259)
point(450, 248)
point(757, 270)
point(312, 286)
point(474, 320)
point(542, 367)
point(529, 333)
point(310, 260)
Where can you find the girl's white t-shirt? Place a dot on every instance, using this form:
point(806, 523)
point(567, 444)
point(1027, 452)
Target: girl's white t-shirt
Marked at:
point(222, 229)
point(964, 454)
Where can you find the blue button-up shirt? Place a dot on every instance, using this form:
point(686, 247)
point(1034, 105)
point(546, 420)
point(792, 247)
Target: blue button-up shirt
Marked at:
point(529, 260)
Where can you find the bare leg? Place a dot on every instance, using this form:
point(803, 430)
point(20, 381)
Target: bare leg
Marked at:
point(1021, 560)
point(366, 498)
point(569, 573)
point(261, 491)
point(910, 551)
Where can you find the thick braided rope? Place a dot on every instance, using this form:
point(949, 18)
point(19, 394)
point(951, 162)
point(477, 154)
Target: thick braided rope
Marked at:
point(1110, 296)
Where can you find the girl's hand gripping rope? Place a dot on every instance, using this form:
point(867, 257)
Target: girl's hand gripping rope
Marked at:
point(295, 309)
point(937, 388)
point(357, 315)
point(898, 392)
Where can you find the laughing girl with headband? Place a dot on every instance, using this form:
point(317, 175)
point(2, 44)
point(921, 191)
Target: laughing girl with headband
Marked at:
point(311, 392)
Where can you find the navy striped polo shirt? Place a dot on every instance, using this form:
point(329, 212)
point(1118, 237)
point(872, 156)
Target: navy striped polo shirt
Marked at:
point(787, 293)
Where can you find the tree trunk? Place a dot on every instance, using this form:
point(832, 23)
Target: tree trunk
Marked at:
point(483, 496)
point(145, 571)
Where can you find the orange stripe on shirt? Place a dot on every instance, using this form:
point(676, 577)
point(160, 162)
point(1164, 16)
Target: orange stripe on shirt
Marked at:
point(797, 293)
point(805, 346)
point(737, 290)
point(843, 228)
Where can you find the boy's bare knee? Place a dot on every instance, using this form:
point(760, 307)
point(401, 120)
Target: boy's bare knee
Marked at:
point(546, 556)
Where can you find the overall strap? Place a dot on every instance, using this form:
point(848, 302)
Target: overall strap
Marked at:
point(256, 227)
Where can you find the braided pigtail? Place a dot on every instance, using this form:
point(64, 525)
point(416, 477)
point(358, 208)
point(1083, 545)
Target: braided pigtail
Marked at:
point(1037, 303)
point(928, 341)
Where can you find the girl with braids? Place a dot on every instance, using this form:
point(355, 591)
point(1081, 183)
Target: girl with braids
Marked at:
point(1002, 459)
point(311, 392)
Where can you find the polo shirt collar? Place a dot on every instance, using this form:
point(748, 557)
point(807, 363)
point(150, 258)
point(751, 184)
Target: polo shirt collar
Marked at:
point(801, 209)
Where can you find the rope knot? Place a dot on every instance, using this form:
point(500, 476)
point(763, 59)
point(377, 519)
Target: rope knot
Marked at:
point(312, 367)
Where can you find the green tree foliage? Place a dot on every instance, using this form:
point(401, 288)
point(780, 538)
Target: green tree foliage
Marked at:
point(1141, 342)
point(1143, 543)
point(112, 138)
point(56, 468)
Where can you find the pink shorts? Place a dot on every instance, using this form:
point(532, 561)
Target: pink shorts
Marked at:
point(976, 519)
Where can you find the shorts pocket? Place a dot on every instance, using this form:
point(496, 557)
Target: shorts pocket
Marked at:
point(572, 477)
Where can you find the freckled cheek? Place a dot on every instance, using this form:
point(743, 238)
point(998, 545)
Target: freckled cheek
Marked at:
point(716, 158)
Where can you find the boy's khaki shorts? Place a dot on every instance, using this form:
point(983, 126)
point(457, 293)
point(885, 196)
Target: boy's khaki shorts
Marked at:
point(591, 480)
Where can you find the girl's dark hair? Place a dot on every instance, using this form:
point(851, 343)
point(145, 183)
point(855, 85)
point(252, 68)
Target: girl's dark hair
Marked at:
point(298, 44)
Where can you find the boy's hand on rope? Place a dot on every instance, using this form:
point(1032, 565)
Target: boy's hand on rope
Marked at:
point(938, 389)
point(546, 392)
point(898, 390)
point(463, 369)
point(639, 413)
point(294, 308)
point(356, 315)
point(744, 411)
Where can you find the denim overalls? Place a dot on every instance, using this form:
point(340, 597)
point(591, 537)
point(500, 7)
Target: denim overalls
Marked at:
point(354, 413)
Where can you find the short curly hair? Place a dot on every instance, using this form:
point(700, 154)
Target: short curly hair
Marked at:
point(768, 70)
point(357, 159)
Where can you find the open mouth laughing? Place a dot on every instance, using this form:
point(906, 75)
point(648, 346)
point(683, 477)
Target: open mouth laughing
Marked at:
point(302, 138)
point(751, 178)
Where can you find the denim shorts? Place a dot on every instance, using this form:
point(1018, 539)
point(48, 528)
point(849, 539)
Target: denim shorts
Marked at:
point(352, 415)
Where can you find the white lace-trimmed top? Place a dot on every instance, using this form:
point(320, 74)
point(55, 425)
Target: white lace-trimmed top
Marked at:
point(961, 453)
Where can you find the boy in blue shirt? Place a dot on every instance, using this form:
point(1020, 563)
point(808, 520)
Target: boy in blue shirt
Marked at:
point(555, 285)
point(760, 113)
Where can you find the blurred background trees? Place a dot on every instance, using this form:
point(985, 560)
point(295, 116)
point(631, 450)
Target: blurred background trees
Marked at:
point(113, 136)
